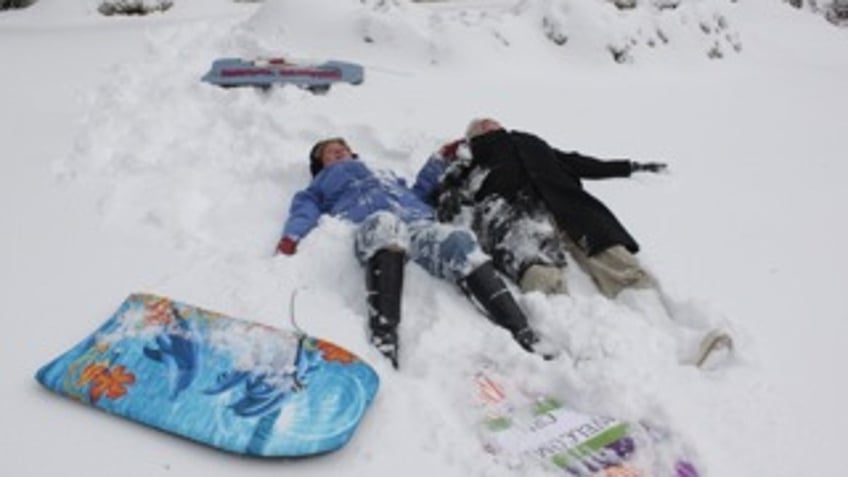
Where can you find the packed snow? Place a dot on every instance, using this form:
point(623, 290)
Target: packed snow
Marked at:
point(123, 172)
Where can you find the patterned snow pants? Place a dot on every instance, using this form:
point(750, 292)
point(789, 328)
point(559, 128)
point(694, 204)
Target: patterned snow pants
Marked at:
point(522, 233)
point(517, 235)
point(445, 251)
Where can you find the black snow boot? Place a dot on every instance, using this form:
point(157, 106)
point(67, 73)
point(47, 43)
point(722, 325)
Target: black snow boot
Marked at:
point(384, 283)
point(489, 290)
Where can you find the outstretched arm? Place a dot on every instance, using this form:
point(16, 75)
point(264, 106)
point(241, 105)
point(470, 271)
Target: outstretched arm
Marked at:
point(427, 180)
point(304, 212)
point(592, 168)
point(454, 191)
point(655, 167)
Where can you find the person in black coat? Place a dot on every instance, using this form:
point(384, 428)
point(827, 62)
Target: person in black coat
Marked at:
point(529, 207)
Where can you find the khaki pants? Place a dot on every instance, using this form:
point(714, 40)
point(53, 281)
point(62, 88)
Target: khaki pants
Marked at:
point(612, 270)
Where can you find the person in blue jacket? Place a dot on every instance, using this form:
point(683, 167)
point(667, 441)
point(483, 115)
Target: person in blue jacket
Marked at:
point(396, 222)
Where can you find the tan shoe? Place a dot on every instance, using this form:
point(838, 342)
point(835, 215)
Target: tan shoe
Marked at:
point(547, 279)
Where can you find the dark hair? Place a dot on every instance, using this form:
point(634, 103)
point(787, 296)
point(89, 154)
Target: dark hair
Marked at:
point(315, 164)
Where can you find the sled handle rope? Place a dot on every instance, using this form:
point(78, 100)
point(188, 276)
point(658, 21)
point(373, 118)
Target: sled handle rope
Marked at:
point(292, 316)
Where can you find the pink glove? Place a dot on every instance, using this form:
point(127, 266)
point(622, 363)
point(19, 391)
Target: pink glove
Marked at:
point(448, 151)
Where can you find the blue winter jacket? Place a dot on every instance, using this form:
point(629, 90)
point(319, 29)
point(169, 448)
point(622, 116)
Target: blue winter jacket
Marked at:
point(348, 189)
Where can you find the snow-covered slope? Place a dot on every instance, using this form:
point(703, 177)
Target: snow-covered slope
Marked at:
point(123, 172)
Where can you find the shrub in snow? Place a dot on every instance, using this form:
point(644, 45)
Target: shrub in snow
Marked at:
point(380, 4)
point(133, 7)
point(836, 11)
point(666, 4)
point(624, 4)
point(10, 4)
point(554, 30)
point(628, 29)
point(659, 4)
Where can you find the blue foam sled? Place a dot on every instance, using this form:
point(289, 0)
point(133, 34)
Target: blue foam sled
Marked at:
point(235, 385)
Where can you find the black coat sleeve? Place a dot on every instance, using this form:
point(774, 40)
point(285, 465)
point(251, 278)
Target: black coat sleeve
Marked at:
point(588, 167)
point(451, 193)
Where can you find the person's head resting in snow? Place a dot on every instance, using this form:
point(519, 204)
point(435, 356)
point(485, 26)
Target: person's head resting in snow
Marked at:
point(481, 126)
point(326, 152)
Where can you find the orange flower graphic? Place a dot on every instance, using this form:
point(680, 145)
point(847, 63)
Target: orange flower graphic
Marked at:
point(111, 382)
point(90, 372)
point(334, 353)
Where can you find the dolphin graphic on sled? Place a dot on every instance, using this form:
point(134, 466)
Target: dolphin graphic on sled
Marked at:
point(236, 385)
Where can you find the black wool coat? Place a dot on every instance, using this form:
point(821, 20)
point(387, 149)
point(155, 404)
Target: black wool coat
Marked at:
point(520, 162)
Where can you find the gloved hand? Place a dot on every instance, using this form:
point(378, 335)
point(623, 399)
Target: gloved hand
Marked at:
point(654, 167)
point(287, 246)
point(448, 151)
point(450, 205)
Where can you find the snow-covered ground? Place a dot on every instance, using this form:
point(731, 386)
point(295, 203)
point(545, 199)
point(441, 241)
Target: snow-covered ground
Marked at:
point(122, 172)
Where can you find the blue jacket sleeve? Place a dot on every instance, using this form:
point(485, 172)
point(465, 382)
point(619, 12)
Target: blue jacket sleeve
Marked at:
point(428, 177)
point(304, 212)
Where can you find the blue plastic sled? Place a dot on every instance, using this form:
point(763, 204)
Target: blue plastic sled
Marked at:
point(232, 384)
point(316, 77)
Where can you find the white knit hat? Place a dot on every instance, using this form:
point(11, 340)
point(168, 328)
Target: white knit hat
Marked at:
point(481, 125)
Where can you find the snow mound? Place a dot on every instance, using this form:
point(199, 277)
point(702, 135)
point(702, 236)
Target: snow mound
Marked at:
point(211, 171)
point(478, 32)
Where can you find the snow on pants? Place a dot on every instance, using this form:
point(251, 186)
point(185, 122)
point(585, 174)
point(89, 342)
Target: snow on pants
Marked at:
point(517, 235)
point(522, 233)
point(445, 251)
